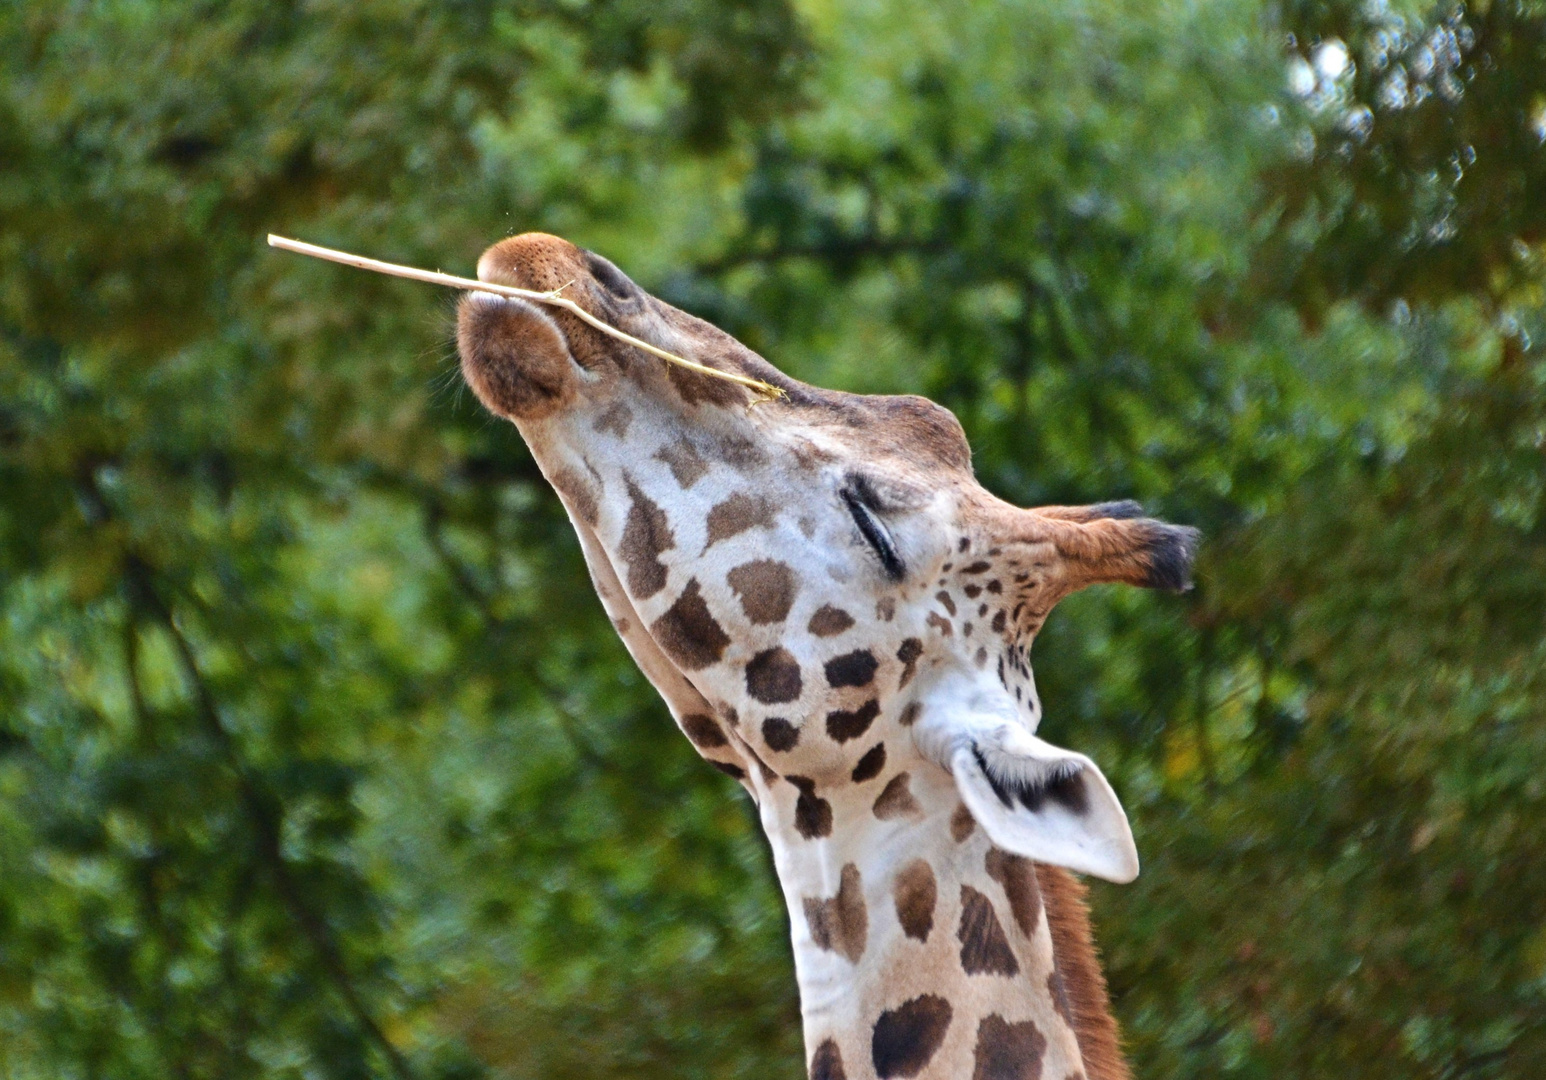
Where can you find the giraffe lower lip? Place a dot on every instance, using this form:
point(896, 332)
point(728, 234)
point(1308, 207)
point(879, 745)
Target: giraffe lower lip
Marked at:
point(515, 357)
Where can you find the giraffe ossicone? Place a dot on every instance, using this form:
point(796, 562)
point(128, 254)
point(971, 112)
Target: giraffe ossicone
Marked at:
point(840, 617)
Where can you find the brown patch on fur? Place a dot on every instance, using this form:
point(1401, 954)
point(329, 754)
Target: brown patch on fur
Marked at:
point(646, 534)
point(908, 653)
point(1073, 951)
point(695, 388)
point(869, 766)
point(885, 609)
point(703, 731)
point(682, 458)
point(984, 948)
point(1008, 1051)
point(915, 893)
point(779, 733)
point(829, 621)
point(765, 588)
point(688, 631)
point(741, 453)
point(842, 923)
point(851, 669)
point(812, 814)
point(906, 1038)
point(737, 514)
point(940, 623)
point(962, 824)
point(896, 800)
point(1057, 989)
point(615, 420)
point(844, 725)
point(910, 713)
point(827, 1062)
point(946, 602)
point(773, 677)
point(578, 492)
point(1017, 875)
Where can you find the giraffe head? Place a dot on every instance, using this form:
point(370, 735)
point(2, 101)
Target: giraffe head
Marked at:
point(838, 614)
point(824, 571)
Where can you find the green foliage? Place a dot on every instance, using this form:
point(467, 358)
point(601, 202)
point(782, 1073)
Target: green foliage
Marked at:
point(317, 757)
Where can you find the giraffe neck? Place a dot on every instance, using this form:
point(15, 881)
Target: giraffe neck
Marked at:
point(923, 951)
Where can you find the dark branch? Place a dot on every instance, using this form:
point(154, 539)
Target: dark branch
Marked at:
point(266, 814)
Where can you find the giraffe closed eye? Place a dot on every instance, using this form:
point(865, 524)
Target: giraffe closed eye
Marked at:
point(873, 529)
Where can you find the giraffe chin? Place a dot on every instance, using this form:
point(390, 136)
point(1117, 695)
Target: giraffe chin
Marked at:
point(515, 358)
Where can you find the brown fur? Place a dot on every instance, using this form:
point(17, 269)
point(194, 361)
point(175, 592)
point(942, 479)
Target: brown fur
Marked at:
point(1073, 949)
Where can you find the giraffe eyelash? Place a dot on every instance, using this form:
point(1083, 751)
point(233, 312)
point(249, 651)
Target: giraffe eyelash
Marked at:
point(874, 531)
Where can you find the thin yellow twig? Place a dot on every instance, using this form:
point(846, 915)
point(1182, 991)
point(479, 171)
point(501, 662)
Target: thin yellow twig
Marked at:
point(767, 390)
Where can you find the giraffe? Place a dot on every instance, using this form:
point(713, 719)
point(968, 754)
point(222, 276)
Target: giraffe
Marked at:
point(840, 617)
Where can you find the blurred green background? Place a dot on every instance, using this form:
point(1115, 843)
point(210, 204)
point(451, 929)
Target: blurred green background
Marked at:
point(318, 758)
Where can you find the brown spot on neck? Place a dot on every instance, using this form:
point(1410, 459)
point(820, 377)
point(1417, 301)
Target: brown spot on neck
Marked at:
point(773, 677)
point(615, 420)
point(840, 924)
point(984, 948)
point(688, 631)
point(915, 893)
point(851, 669)
point(962, 823)
point(578, 493)
point(870, 765)
point(896, 799)
point(682, 458)
point(780, 734)
point(812, 814)
point(704, 731)
point(1008, 1051)
point(646, 534)
point(908, 652)
point(827, 1062)
point(1017, 876)
point(906, 1038)
point(846, 724)
point(829, 621)
point(737, 514)
point(766, 589)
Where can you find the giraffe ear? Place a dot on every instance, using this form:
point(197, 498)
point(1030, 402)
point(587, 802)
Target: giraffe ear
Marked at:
point(1045, 803)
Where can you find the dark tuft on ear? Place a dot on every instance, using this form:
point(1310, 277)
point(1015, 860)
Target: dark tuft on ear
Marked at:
point(1063, 784)
point(1170, 550)
point(1125, 508)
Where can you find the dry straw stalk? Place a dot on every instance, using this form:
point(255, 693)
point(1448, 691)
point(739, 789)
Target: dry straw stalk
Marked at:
point(552, 299)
